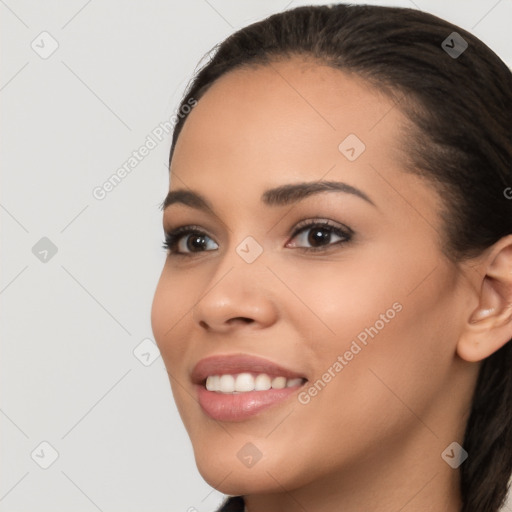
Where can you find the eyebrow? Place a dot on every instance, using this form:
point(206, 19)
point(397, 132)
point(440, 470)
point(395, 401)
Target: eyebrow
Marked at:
point(280, 196)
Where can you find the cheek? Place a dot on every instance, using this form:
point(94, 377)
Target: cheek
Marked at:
point(336, 300)
point(387, 318)
point(396, 352)
point(168, 315)
point(169, 309)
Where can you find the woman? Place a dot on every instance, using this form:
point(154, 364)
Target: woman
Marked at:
point(335, 309)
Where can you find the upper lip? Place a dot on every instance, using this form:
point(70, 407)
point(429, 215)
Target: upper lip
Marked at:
point(239, 363)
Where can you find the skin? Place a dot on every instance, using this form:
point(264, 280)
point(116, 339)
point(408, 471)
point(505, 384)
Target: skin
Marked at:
point(372, 438)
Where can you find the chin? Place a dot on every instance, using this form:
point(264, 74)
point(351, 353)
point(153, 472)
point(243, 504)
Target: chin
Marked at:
point(222, 467)
point(234, 479)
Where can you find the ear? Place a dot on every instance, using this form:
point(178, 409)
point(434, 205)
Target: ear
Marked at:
point(489, 326)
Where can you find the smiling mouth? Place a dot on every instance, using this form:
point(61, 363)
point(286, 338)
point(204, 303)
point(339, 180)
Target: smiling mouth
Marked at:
point(238, 387)
point(248, 381)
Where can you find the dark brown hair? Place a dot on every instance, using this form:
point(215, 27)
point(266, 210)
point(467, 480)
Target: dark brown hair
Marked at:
point(461, 111)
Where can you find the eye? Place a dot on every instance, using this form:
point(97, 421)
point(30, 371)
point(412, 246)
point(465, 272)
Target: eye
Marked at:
point(318, 233)
point(189, 240)
point(186, 240)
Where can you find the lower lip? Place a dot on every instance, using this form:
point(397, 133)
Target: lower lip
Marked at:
point(240, 406)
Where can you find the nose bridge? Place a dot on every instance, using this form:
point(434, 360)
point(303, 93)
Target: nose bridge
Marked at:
point(245, 245)
point(242, 268)
point(240, 287)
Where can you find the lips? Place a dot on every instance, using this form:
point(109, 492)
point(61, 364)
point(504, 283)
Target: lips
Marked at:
point(234, 407)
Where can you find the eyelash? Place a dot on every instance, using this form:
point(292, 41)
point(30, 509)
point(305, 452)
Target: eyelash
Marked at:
point(173, 237)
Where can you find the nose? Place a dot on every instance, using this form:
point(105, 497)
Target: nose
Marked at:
point(238, 297)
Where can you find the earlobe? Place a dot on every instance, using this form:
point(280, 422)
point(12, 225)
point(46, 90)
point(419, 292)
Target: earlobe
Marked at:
point(489, 326)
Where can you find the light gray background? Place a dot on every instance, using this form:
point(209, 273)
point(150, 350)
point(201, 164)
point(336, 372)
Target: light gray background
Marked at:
point(70, 325)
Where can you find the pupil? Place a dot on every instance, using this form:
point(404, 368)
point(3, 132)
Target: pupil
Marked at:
point(317, 236)
point(196, 242)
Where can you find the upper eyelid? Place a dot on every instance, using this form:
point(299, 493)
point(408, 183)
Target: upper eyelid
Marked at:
point(321, 221)
point(305, 223)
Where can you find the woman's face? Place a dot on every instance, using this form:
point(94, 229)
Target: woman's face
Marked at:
point(361, 315)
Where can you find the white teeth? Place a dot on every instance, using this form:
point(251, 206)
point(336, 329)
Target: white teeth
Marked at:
point(227, 383)
point(262, 382)
point(212, 383)
point(244, 382)
point(278, 382)
point(293, 382)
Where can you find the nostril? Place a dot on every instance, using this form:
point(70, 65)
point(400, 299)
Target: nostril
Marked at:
point(231, 321)
point(242, 319)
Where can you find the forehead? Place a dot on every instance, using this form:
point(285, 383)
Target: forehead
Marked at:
point(291, 121)
point(285, 111)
